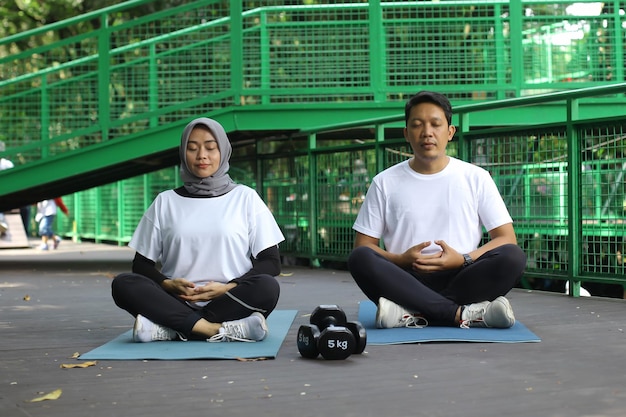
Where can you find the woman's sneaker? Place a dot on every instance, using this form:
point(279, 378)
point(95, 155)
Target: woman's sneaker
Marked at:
point(250, 329)
point(147, 331)
point(497, 313)
point(390, 315)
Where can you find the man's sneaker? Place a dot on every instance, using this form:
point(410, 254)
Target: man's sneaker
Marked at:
point(250, 329)
point(497, 313)
point(43, 247)
point(57, 241)
point(147, 331)
point(390, 315)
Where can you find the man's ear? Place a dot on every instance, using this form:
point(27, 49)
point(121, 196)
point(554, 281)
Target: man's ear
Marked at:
point(451, 132)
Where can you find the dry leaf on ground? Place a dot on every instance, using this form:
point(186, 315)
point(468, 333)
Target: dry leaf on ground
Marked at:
point(78, 365)
point(53, 395)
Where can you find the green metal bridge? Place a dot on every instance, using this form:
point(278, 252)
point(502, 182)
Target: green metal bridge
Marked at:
point(312, 97)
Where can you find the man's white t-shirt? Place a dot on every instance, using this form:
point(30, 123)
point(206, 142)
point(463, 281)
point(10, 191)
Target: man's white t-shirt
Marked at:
point(206, 239)
point(405, 208)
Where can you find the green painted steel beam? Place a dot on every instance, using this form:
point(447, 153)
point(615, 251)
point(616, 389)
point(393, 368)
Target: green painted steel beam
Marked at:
point(89, 167)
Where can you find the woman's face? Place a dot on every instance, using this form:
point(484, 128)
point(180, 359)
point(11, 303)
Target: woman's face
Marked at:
point(203, 154)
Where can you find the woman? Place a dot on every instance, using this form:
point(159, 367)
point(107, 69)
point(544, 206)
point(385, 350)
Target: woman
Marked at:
point(216, 242)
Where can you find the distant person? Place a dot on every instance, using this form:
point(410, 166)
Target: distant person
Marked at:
point(25, 215)
point(4, 164)
point(429, 213)
point(25, 210)
point(217, 244)
point(46, 214)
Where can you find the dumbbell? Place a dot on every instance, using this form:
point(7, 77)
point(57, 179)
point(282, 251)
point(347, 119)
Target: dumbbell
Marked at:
point(330, 335)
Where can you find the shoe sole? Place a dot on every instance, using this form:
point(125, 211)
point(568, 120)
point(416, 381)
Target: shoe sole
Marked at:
point(385, 305)
point(263, 324)
point(379, 323)
point(137, 329)
point(506, 305)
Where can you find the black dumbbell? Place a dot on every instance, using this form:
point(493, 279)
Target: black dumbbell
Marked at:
point(330, 335)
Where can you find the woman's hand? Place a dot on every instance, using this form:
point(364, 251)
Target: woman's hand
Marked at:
point(208, 291)
point(178, 286)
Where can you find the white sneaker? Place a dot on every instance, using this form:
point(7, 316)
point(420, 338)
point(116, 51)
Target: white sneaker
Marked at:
point(147, 331)
point(250, 329)
point(390, 315)
point(497, 313)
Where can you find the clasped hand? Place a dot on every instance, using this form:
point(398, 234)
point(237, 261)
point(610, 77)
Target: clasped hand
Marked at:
point(188, 291)
point(446, 258)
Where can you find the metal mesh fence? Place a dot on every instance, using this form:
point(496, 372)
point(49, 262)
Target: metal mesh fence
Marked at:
point(603, 203)
point(315, 194)
point(530, 171)
point(445, 45)
point(573, 50)
point(171, 65)
point(287, 193)
point(110, 76)
point(341, 183)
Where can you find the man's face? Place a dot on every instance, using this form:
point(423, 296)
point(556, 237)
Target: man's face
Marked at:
point(428, 132)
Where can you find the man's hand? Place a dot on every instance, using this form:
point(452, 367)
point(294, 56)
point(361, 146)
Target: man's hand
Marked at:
point(447, 258)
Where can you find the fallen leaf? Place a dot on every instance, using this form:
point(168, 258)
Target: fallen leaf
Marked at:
point(78, 365)
point(53, 395)
point(75, 355)
point(27, 297)
point(286, 274)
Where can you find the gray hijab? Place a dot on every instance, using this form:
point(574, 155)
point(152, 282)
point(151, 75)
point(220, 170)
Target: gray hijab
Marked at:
point(217, 184)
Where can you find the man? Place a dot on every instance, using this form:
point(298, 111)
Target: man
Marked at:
point(429, 212)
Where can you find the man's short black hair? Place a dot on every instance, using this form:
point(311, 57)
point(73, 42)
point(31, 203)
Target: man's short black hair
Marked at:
point(428, 97)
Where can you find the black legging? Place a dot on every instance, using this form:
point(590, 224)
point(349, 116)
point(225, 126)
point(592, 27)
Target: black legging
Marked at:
point(438, 295)
point(140, 295)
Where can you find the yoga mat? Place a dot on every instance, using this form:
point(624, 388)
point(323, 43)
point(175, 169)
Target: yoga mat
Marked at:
point(367, 316)
point(123, 347)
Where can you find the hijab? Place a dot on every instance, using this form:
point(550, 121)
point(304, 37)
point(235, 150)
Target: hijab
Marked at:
point(220, 182)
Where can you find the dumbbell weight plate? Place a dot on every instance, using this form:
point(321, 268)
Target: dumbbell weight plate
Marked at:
point(336, 342)
point(360, 335)
point(308, 335)
point(328, 315)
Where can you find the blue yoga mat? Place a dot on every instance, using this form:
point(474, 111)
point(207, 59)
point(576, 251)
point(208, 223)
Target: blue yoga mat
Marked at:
point(367, 316)
point(123, 347)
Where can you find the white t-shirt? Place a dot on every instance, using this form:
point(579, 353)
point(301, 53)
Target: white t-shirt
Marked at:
point(404, 208)
point(47, 208)
point(206, 239)
point(5, 164)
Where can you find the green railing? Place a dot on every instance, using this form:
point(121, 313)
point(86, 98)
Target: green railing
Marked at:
point(128, 76)
point(563, 182)
point(561, 172)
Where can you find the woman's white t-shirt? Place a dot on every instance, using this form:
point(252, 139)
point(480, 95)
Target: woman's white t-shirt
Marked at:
point(206, 239)
point(405, 208)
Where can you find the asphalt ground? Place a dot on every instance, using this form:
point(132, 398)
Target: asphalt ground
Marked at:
point(56, 304)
